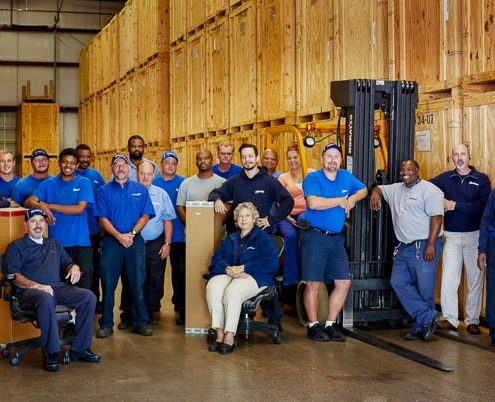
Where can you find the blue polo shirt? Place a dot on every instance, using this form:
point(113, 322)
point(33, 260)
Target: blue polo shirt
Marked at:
point(26, 187)
point(172, 189)
point(123, 205)
point(233, 170)
point(68, 230)
point(7, 187)
point(317, 184)
point(96, 181)
point(164, 211)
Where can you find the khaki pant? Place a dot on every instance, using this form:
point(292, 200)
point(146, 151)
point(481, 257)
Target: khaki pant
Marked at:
point(225, 296)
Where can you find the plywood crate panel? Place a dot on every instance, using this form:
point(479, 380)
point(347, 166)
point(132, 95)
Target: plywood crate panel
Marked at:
point(128, 45)
point(112, 58)
point(37, 127)
point(110, 118)
point(83, 74)
point(242, 32)
point(215, 7)
point(178, 90)
point(217, 75)
point(153, 28)
point(128, 107)
point(425, 43)
point(439, 122)
point(360, 46)
point(478, 36)
point(478, 129)
point(96, 123)
point(195, 14)
point(276, 69)
point(314, 55)
point(196, 85)
point(177, 19)
point(181, 150)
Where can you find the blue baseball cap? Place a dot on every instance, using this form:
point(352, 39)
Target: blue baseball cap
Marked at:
point(170, 154)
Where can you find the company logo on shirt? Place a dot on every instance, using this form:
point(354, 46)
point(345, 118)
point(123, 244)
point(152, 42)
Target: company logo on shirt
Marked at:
point(344, 191)
point(76, 189)
point(251, 248)
point(96, 182)
point(473, 183)
point(259, 191)
point(136, 194)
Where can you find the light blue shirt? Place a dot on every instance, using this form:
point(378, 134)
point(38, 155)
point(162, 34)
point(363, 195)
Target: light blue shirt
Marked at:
point(164, 211)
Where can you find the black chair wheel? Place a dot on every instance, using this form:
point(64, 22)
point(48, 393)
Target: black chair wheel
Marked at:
point(66, 358)
point(15, 361)
point(276, 340)
point(6, 353)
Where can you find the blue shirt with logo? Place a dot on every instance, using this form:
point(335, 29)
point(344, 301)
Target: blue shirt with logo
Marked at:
point(68, 230)
point(164, 211)
point(26, 187)
point(172, 189)
point(319, 185)
point(123, 205)
point(96, 181)
point(7, 187)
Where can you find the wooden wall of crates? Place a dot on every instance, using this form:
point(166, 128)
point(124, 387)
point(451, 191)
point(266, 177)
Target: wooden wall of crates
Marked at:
point(37, 127)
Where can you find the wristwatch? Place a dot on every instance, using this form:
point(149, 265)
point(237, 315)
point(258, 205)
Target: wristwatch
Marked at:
point(134, 233)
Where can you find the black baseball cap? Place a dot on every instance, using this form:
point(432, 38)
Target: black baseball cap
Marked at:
point(331, 146)
point(33, 212)
point(39, 152)
point(120, 156)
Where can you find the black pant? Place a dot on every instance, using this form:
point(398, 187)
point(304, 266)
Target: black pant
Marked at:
point(95, 286)
point(155, 275)
point(82, 256)
point(178, 264)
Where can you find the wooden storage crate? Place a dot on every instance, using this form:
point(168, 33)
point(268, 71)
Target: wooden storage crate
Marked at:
point(178, 90)
point(181, 150)
point(110, 118)
point(37, 127)
point(128, 46)
point(96, 122)
point(360, 40)
point(177, 20)
point(425, 43)
point(215, 7)
point(124, 129)
point(439, 125)
point(196, 85)
point(153, 28)
point(314, 56)
point(83, 75)
point(217, 75)
point(242, 77)
point(112, 58)
point(478, 37)
point(195, 14)
point(128, 110)
point(276, 68)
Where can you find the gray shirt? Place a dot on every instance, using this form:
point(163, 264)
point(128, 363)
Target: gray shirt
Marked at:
point(195, 189)
point(412, 208)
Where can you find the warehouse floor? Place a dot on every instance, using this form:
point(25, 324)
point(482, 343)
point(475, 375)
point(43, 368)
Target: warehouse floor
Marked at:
point(174, 366)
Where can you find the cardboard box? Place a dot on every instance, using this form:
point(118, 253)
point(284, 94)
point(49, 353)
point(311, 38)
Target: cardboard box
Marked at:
point(203, 236)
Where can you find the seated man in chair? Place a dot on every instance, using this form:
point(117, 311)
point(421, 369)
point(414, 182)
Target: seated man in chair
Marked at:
point(37, 263)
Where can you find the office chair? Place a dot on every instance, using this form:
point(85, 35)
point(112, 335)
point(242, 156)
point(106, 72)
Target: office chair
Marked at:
point(25, 313)
point(247, 324)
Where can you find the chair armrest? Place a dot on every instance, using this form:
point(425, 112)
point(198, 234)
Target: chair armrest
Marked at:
point(6, 285)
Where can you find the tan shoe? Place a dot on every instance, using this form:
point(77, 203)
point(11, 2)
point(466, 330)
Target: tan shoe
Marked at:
point(445, 324)
point(473, 329)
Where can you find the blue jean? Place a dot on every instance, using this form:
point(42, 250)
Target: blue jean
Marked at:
point(291, 252)
point(82, 300)
point(490, 286)
point(113, 257)
point(413, 279)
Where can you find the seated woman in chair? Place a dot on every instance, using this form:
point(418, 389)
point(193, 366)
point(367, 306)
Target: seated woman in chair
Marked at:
point(244, 264)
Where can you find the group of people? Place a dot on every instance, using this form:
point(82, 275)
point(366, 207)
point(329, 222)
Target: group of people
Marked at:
point(126, 228)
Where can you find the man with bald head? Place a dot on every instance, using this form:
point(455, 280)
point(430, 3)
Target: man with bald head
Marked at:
point(417, 209)
point(199, 186)
point(466, 192)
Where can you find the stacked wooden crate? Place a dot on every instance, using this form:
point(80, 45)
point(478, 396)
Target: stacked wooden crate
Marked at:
point(125, 80)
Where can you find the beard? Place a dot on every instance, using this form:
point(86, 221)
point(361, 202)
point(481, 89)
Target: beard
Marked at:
point(136, 154)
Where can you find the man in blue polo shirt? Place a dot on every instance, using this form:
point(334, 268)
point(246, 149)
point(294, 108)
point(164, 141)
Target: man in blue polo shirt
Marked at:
point(96, 180)
point(64, 199)
point(123, 208)
point(170, 181)
point(330, 194)
point(7, 177)
point(157, 235)
point(25, 187)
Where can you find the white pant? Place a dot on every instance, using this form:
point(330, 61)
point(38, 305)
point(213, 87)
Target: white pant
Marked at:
point(461, 247)
point(225, 296)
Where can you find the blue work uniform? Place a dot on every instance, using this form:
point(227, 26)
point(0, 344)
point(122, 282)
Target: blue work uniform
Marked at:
point(7, 187)
point(25, 188)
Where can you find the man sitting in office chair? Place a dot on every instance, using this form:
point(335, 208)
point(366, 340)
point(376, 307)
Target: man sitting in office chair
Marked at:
point(37, 262)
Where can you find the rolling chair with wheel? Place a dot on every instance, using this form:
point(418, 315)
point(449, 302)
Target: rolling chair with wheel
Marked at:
point(25, 313)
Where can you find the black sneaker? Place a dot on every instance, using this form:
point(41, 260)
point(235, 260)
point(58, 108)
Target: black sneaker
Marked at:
point(412, 335)
point(317, 333)
point(334, 333)
point(51, 362)
point(430, 328)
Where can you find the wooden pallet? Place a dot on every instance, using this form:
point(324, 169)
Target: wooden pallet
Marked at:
point(328, 115)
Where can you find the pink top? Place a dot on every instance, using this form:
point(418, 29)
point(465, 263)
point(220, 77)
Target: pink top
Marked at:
point(295, 190)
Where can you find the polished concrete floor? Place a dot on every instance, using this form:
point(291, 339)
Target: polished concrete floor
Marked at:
point(174, 366)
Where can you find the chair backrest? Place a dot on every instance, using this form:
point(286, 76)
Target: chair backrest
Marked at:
point(279, 244)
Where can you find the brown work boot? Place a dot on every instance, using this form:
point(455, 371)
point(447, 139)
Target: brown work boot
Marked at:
point(445, 324)
point(473, 329)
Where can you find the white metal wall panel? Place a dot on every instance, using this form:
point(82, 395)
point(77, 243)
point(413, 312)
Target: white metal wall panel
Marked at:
point(8, 83)
point(68, 86)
